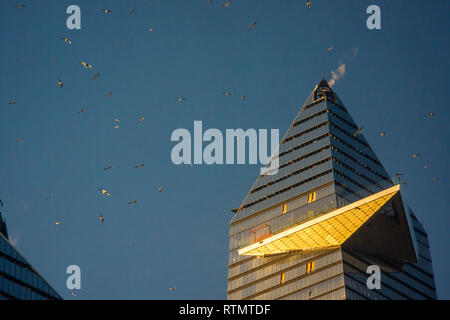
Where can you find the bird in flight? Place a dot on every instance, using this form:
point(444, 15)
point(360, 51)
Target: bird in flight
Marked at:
point(308, 4)
point(60, 84)
point(140, 119)
point(431, 114)
point(435, 179)
point(21, 5)
point(58, 223)
point(96, 76)
point(19, 140)
point(357, 132)
point(415, 155)
point(244, 97)
point(331, 48)
point(86, 65)
point(151, 29)
point(252, 25)
point(133, 202)
point(179, 99)
point(132, 11)
point(172, 288)
point(66, 40)
point(109, 94)
point(50, 199)
point(425, 166)
point(107, 11)
point(140, 165)
point(107, 168)
point(100, 217)
point(227, 93)
point(80, 111)
point(383, 134)
point(12, 102)
point(104, 192)
point(160, 189)
point(227, 4)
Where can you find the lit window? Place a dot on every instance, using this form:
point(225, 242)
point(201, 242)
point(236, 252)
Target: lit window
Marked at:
point(312, 197)
point(282, 278)
point(285, 208)
point(310, 266)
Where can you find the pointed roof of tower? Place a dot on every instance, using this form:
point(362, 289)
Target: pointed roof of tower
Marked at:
point(320, 147)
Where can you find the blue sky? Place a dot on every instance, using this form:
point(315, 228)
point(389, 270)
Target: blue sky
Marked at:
point(179, 237)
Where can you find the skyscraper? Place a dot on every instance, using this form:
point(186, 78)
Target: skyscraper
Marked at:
point(18, 279)
point(312, 230)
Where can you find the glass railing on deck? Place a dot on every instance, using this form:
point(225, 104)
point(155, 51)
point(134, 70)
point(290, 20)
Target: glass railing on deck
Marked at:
point(284, 221)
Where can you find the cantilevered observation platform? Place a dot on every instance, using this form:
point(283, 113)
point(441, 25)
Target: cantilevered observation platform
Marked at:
point(379, 224)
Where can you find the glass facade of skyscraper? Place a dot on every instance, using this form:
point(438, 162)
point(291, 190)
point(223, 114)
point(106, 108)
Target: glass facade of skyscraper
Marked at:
point(325, 164)
point(18, 279)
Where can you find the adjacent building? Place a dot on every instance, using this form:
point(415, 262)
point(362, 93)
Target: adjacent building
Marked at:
point(18, 279)
point(332, 210)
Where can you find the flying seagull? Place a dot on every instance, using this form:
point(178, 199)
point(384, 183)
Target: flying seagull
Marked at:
point(66, 40)
point(140, 119)
point(109, 94)
point(133, 202)
point(19, 140)
point(140, 165)
point(86, 65)
point(132, 11)
point(151, 29)
point(60, 84)
point(107, 168)
point(226, 4)
point(244, 97)
point(96, 76)
point(415, 155)
point(227, 93)
point(80, 111)
point(21, 5)
point(252, 25)
point(431, 114)
point(160, 189)
point(383, 134)
point(179, 99)
point(107, 11)
point(12, 102)
point(100, 217)
point(357, 132)
point(172, 288)
point(331, 48)
point(104, 192)
point(308, 4)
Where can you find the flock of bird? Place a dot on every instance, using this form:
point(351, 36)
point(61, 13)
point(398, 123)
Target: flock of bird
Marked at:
point(413, 155)
point(86, 65)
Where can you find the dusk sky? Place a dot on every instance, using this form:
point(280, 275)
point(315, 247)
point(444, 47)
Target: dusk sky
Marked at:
point(394, 77)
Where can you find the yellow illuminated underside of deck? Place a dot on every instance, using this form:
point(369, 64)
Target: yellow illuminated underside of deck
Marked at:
point(324, 232)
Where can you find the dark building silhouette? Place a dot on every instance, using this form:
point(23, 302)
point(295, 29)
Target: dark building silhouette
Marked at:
point(18, 279)
point(311, 230)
